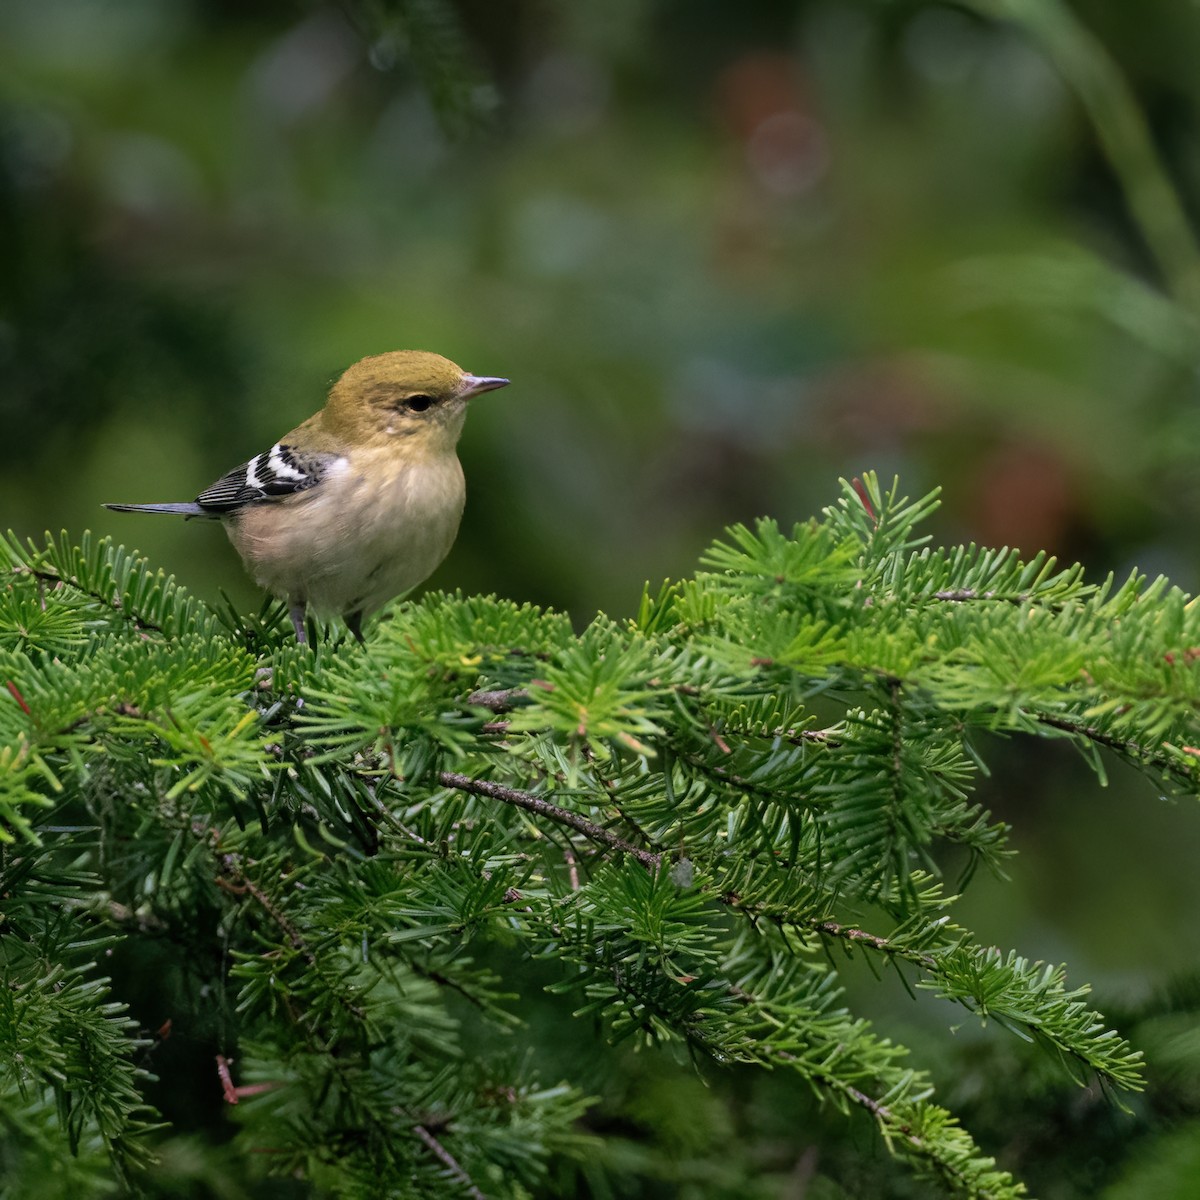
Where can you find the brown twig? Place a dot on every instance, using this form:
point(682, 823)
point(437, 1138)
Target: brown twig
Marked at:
point(851, 933)
point(234, 880)
point(498, 700)
point(1123, 746)
point(963, 595)
point(234, 1094)
point(796, 737)
point(449, 1162)
point(572, 868)
point(552, 812)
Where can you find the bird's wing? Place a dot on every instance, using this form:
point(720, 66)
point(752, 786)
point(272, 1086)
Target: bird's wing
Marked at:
point(279, 472)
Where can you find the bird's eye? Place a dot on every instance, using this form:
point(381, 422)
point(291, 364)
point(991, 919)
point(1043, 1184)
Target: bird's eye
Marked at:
point(418, 403)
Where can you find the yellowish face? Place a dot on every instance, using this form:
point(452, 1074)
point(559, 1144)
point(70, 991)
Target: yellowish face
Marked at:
point(407, 394)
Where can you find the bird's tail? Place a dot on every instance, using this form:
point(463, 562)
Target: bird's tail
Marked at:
point(191, 509)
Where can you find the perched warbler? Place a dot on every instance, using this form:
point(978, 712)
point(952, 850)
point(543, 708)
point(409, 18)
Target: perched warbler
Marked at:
point(360, 502)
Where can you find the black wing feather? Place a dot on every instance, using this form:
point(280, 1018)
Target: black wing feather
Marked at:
point(279, 472)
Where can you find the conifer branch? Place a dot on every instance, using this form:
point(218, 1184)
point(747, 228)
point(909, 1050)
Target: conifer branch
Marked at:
point(856, 936)
point(232, 878)
point(543, 808)
point(46, 575)
point(963, 595)
point(497, 700)
point(1125, 747)
point(449, 1162)
point(695, 726)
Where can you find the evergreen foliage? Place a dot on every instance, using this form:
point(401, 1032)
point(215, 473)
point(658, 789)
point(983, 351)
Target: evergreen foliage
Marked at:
point(375, 879)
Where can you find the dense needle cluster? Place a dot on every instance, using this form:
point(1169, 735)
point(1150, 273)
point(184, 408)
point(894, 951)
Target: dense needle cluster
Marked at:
point(677, 823)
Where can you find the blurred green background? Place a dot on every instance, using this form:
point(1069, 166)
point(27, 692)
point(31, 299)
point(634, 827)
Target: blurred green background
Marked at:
point(726, 253)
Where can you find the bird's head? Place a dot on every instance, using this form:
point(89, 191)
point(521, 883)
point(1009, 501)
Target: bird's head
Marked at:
point(408, 396)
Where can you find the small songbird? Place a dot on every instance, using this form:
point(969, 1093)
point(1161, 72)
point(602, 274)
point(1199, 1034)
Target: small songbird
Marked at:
point(360, 502)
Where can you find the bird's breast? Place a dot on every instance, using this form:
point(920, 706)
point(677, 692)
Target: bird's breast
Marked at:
point(373, 528)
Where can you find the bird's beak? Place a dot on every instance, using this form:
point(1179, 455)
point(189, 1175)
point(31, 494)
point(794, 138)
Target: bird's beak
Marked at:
point(472, 385)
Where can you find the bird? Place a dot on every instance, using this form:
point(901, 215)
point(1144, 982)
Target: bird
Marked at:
point(361, 502)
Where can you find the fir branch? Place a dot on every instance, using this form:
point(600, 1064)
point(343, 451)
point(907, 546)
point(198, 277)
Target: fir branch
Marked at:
point(855, 936)
point(46, 575)
point(1125, 747)
point(795, 719)
point(449, 1162)
point(498, 700)
point(232, 877)
point(543, 808)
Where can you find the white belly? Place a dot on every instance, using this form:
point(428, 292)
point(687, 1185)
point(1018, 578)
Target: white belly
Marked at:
point(356, 540)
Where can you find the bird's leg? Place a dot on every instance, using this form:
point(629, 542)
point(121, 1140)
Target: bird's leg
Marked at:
point(354, 622)
point(296, 612)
